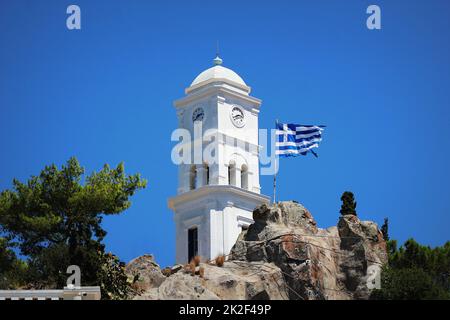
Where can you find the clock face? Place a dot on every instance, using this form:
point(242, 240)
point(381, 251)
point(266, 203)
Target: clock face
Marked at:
point(198, 115)
point(237, 116)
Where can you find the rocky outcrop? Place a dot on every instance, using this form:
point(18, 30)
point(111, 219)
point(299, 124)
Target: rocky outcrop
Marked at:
point(234, 280)
point(316, 263)
point(283, 255)
point(361, 245)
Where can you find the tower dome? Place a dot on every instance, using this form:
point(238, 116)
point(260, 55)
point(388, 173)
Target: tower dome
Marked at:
point(218, 73)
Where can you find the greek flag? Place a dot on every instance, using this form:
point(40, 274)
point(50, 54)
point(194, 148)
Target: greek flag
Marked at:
point(297, 139)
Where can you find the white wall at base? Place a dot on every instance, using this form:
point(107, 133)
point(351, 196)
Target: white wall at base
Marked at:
point(218, 220)
point(78, 293)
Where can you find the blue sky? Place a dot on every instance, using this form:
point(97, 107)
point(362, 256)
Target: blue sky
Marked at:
point(104, 94)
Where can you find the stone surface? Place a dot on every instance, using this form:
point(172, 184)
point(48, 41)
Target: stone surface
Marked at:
point(147, 272)
point(316, 263)
point(283, 255)
point(234, 280)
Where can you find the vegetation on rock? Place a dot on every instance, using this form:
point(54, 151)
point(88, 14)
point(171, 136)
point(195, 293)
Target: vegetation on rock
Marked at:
point(220, 260)
point(385, 229)
point(348, 204)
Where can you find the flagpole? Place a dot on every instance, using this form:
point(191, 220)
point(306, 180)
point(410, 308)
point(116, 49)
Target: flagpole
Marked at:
point(274, 187)
point(276, 167)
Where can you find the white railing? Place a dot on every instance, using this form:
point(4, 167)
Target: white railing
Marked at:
point(75, 293)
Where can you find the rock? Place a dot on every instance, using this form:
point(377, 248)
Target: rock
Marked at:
point(283, 255)
point(235, 280)
point(246, 281)
point(183, 286)
point(147, 272)
point(316, 263)
point(150, 294)
point(362, 245)
point(176, 268)
point(166, 271)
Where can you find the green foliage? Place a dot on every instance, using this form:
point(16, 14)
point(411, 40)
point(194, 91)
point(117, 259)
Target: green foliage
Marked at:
point(409, 284)
point(115, 284)
point(12, 270)
point(55, 219)
point(47, 269)
point(391, 246)
point(348, 204)
point(7, 256)
point(415, 272)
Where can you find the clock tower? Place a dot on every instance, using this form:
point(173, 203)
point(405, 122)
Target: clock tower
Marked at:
point(219, 188)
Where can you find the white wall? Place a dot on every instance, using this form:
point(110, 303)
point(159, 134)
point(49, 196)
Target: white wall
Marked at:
point(218, 220)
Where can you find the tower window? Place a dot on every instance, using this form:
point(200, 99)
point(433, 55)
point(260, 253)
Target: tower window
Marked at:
point(192, 243)
point(244, 177)
point(192, 177)
point(232, 174)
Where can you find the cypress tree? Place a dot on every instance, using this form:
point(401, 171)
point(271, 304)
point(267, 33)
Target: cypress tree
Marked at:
point(348, 204)
point(385, 228)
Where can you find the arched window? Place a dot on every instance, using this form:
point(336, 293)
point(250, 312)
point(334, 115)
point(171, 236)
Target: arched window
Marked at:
point(232, 174)
point(244, 177)
point(192, 177)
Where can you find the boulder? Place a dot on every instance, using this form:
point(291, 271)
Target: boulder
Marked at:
point(234, 280)
point(184, 286)
point(146, 273)
point(244, 280)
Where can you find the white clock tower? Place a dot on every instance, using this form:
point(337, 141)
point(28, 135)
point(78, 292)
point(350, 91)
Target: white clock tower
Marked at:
point(215, 199)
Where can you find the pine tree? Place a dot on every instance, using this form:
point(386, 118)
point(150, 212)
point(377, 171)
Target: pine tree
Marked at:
point(55, 219)
point(348, 204)
point(415, 272)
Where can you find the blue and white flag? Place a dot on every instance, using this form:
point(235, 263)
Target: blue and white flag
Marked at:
point(297, 139)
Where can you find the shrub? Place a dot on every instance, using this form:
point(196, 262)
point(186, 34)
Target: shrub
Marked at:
point(220, 260)
point(201, 272)
point(192, 267)
point(196, 260)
